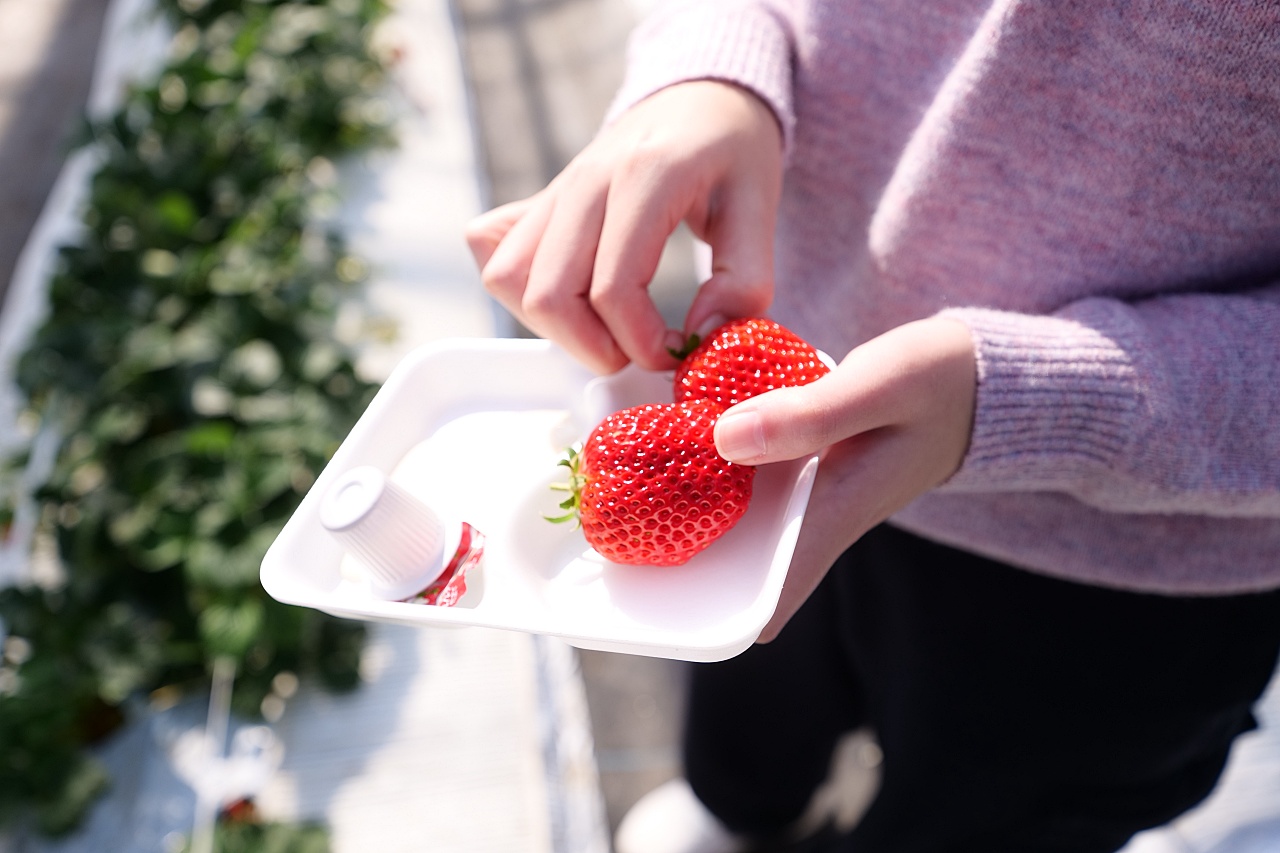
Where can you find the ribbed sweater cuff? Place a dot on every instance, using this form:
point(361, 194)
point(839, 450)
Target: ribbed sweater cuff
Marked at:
point(1055, 406)
point(747, 46)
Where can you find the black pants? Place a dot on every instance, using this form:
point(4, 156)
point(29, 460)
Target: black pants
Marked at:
point(1017, 713)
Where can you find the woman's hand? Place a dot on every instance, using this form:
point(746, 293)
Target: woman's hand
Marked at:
point(892, 421)
point(574, 262)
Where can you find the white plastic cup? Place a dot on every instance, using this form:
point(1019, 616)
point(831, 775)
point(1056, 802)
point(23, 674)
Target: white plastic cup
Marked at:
point(398, 539)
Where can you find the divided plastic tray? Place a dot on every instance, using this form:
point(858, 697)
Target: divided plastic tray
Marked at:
point(475, 428)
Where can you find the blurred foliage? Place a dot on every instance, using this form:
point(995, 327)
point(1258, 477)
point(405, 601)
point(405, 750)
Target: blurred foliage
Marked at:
point(240, 829)
point(270, 838)
point(188, 366)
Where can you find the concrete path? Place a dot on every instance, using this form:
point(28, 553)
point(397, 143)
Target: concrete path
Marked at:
point(46, 59)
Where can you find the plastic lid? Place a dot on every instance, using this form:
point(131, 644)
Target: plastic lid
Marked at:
point(396, 537)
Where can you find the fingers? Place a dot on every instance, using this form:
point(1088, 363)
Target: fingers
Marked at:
point(646, 199)
point(860, 483)
point(559, 295)
point(544, 268)
point(892, 422)
point(919, 376)
point(540, 268)
point(485, 232)
point(741, 239)
point(735, 291)
point(574, 262)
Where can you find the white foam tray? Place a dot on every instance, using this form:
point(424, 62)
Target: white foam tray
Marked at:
point(475, 428)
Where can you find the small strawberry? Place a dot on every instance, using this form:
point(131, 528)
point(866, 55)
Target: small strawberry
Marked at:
point(649, 488)
point(744, 358)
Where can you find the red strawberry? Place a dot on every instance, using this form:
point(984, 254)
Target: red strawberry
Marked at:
point(649, 487)
point(744, 358)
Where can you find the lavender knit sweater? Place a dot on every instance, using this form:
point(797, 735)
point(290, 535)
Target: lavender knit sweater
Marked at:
point(1094, 188)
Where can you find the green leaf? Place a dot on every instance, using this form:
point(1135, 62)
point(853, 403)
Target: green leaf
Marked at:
point(210, 438)
point(562, 519)
point(84, 783)
point(245, 837)
point(120, 423)
point(690, 344)
point(176, 212)
point(230, 627)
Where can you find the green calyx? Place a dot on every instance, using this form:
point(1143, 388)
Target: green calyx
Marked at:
point(577, 482)
point(690, 344)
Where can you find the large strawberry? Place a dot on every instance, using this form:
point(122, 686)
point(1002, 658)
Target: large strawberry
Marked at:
point(744, 358)
point(650, 489)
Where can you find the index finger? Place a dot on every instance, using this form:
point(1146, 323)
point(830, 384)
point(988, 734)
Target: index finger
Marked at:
point(557, 298)
point(639, 219)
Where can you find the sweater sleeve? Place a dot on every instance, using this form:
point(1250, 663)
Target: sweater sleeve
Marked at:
point(745, 42)
point(1166, 405)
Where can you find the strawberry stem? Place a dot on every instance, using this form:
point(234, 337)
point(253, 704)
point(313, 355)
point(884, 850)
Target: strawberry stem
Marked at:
point(690, 344)
point(577, 482)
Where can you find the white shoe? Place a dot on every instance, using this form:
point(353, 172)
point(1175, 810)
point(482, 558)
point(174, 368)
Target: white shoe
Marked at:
point(851, 785)
point(671, 819)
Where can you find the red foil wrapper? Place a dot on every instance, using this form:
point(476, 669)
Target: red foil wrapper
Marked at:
point(446, 590)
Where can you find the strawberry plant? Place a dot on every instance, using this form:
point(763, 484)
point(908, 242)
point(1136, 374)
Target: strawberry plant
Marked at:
point(189, 371)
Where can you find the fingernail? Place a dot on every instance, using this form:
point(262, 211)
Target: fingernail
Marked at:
point(740, 437)
point(673, 341)
point(710, 324)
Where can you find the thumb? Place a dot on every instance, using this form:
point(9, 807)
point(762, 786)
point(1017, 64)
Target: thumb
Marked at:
point(790, 423)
